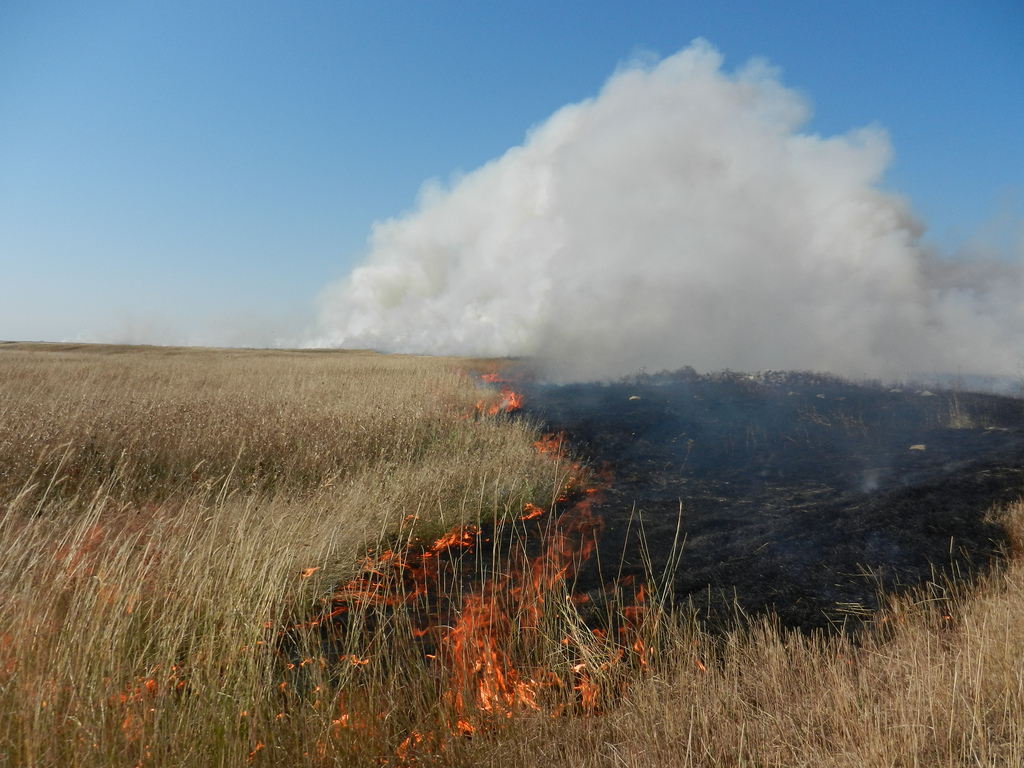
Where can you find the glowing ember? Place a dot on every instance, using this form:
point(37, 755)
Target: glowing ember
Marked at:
point(531, 512)
point(551, 445)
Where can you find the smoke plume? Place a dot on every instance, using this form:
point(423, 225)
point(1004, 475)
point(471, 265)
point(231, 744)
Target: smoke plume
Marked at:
point(680, 218)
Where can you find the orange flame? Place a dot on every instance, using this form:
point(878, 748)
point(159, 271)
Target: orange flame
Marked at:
point(471, 643)
point(531, 512)
point(551, 445)
point(508, 401)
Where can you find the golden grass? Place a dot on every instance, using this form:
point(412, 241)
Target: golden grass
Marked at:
point(159, 510)
point(166, 423)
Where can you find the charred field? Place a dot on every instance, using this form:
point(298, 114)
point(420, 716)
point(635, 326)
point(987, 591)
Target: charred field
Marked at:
point(799, 495)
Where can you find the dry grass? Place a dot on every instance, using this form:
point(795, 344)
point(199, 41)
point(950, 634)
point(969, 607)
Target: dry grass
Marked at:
point(159, 509)
point(158, 512)
point(938, 680)
point(162, 424)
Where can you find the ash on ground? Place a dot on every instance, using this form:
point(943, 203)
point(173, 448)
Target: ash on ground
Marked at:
point(800, 494)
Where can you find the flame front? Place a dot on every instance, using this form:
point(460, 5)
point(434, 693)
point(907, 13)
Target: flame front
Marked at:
point(507, 401)
point(480, 630)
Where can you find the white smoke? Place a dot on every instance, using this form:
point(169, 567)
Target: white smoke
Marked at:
point(679, 218)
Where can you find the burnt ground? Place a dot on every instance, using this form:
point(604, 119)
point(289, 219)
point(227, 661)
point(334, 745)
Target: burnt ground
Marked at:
point(799, 494)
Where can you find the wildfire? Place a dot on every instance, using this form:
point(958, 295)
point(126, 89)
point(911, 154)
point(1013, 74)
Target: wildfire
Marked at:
point(551, 445)
point(507, 401)
point(482, 637)
point(531, 512)
point(481, 602)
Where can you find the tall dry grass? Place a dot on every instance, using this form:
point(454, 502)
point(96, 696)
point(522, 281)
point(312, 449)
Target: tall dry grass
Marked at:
point(161, 512)
point(148, 425)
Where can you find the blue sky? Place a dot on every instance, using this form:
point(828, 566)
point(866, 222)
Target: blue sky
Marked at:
point(198, 172)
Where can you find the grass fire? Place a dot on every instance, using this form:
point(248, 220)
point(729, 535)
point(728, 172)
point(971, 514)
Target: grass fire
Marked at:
point(344, 558)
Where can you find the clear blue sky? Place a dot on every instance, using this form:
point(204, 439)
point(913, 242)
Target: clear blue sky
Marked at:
point(187, 171)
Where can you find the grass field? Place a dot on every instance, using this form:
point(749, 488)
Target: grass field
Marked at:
point(165, 514)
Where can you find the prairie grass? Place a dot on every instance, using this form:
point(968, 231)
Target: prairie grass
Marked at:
point(148, 425)
point(166, 514)
point(159, 510)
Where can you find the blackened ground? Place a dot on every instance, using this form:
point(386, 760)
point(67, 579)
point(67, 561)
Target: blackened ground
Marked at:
point(799, 493)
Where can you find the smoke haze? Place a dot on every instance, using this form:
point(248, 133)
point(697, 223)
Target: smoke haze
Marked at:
point(680, 218)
